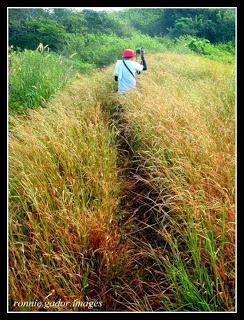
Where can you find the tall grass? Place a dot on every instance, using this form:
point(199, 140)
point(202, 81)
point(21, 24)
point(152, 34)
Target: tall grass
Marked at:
point(182, 120)
point(64, 239)
point(67, 236)
point(36, 76)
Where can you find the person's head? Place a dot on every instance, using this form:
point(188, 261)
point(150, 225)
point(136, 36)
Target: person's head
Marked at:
point(128, 54)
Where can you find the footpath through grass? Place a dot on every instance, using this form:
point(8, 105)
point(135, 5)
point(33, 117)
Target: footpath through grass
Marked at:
point(72, 235)
point(182, 123)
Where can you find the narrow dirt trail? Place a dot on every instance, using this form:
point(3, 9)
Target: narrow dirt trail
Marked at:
point(141, 205)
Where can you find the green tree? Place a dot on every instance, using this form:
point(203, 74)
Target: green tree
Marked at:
point(143, 20)
point(73, 21)
point(183, 26)
point(18, 30)
point(104, 23)
point(216, 25)
point(36, 30)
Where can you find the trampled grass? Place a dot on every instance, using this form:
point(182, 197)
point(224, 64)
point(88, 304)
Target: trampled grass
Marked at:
point(68, 238)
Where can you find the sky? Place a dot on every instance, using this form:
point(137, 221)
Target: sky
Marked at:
point(103, 8)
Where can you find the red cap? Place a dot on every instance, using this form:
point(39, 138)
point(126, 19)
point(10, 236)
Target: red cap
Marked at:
point(128, 53)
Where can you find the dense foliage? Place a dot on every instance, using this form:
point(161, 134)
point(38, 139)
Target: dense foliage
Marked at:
point(216, 25)
point(29, 27)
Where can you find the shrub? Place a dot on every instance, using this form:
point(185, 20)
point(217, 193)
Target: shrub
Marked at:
point(201, 46)
point(220, 52)
point(102, 49)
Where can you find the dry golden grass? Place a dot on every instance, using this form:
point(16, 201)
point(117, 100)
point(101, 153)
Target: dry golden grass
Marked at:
point(63, 200)
point(182, 118)
point(65, 192)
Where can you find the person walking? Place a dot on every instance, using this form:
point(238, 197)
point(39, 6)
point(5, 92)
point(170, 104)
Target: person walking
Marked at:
point(126, 69)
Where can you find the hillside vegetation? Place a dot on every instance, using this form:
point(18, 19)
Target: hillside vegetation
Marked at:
point(132, 206)
point(36, 76)
point(68, 41)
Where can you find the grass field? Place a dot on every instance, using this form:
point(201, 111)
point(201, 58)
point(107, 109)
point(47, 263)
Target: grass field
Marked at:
point(182, 121)
point(143, 224)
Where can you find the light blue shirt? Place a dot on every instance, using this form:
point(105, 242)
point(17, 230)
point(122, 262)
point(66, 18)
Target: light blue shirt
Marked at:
point(125, 79)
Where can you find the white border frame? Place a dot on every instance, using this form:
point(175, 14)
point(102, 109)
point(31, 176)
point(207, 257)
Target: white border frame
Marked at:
point(81, 312)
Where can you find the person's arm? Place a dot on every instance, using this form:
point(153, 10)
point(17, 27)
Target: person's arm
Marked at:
point(143, 60)
point(116, 72)
point(144, 63)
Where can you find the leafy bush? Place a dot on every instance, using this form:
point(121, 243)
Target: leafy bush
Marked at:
point(201, 46)
point(102, 49)
point(220, 52)
point(228, 47)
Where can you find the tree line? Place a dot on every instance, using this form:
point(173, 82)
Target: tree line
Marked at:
point(29, 27)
